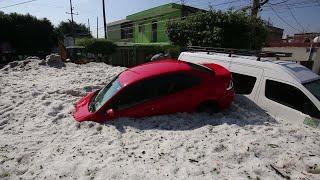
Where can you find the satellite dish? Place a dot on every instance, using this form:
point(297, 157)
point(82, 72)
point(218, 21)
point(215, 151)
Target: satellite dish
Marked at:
point(316, 39)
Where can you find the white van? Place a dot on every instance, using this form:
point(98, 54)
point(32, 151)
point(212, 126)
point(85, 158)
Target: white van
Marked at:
point(284, 89)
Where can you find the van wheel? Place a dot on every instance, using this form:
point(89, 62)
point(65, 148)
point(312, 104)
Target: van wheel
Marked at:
point(208, 107)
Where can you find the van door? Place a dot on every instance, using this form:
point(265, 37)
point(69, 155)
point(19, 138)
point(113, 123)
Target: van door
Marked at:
point(246, 79)
point(286, 101)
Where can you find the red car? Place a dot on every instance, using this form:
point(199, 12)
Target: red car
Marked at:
point(156, 88)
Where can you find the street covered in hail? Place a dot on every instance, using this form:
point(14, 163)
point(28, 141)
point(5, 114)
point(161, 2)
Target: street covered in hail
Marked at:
point(40, 139)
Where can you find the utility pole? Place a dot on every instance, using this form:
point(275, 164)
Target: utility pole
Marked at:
point(89, 26)
point(256, 6)
point(210, 6)
point(72, 28)
point(97, 27)
point(104, 20)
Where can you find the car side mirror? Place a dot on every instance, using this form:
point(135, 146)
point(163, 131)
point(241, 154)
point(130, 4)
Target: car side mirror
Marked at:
point(110, 113)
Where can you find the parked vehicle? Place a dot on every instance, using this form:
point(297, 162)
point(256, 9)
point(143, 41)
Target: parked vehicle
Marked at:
point(284, 89)
point(156, 88)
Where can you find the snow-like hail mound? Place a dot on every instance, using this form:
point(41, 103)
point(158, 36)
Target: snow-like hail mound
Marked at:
point(40, 139)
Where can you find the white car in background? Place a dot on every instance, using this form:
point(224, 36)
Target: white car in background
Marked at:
point(284, 89)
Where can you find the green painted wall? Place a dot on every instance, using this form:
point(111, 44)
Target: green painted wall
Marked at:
point(114, 33)
point(146, 35)
point(161, 14)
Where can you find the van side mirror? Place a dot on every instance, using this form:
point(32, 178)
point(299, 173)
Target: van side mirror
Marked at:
point(110, 113)
point(309, 109)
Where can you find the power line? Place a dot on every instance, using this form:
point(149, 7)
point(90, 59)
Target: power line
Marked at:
point(295, 4)
point(292, 7)
point(274, 4)
point(209, 2)
point(275, 12)
point(17, 4)
point(295, 19)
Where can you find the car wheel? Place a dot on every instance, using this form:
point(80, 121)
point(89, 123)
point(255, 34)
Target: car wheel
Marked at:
point(208, 107)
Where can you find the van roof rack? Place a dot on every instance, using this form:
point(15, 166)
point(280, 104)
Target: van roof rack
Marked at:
point(243, 52)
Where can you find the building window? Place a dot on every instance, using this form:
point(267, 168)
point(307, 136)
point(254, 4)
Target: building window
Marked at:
point(154, 31)
point(127, 31)
point(141, 27)
point(243, 84)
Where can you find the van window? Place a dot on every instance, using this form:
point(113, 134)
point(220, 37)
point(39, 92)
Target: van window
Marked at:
point(243, 84)
point(290, 96)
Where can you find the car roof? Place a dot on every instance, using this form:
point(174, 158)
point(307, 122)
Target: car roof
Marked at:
point(302, 73)
point(152, 69)
point(294, 70)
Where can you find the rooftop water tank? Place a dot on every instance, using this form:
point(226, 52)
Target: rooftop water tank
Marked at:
point(316, 39)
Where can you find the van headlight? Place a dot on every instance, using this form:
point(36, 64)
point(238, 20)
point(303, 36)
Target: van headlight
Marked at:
point(230, 86)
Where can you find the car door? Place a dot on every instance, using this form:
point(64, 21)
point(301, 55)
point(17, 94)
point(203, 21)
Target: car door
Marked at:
point(177, 92)
point(284, 100)
point(133, 101)
point(164, 94)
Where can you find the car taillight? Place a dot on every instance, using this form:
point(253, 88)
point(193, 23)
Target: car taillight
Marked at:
point(230, 86)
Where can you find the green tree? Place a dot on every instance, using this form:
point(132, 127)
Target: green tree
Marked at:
point(80, 30)
point(27, 34)
point(231, 29)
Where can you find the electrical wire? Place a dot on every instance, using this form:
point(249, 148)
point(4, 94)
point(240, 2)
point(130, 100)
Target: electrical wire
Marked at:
point(274, 4)
point(295, 19)
point(295, 4)
point(284, 21)
point(17, 4)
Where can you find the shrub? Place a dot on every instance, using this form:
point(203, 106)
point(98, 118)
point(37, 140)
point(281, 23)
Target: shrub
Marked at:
point(231, 29)
point(98, 46)
point(26, 34)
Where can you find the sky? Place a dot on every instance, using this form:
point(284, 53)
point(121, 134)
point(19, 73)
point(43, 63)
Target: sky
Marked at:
point(294, 16)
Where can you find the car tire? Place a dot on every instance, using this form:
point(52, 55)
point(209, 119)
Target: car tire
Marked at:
point(208, 107)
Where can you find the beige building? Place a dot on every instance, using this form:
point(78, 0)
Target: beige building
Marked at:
point(307, 54)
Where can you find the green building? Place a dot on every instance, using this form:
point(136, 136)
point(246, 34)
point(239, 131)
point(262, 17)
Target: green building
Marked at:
point(149, 26)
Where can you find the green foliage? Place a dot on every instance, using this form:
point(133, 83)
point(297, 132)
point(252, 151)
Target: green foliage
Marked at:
point(97, 46)
point(26, 34)
point(80, 30)
point(231, 29)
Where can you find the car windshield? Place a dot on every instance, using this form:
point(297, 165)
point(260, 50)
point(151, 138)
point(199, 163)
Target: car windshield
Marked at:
point(105, 94)
point(314, 88)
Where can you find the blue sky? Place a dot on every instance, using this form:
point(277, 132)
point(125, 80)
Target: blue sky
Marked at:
point(299, 15)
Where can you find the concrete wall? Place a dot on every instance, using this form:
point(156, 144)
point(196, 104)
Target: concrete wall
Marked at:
point(300, 54)
point(316, 59)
